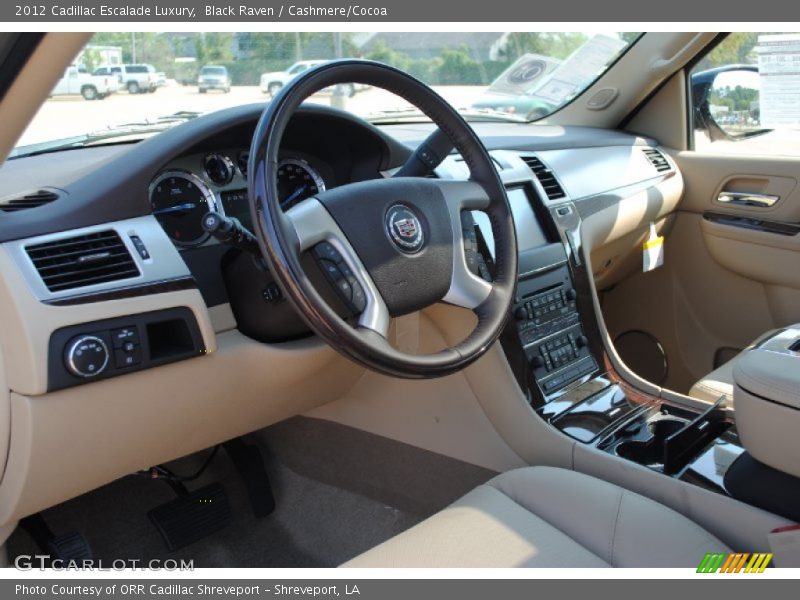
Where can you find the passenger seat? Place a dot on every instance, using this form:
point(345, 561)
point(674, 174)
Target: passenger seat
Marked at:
point(720, 381)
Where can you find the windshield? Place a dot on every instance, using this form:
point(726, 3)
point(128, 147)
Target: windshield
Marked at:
point(502, 76)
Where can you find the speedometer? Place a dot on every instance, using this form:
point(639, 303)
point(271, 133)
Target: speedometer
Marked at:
point(297, 180)
point(180, 200)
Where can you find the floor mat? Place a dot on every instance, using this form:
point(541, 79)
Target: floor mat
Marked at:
point(339, 492)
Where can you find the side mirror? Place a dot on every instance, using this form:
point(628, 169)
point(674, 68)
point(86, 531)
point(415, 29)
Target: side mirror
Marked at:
point(725, 102)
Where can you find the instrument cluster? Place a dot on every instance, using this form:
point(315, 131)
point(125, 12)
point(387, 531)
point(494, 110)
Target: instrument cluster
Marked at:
point(190, 187)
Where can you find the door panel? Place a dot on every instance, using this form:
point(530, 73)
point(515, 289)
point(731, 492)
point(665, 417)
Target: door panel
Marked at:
point(707, 175)
point(724, 281)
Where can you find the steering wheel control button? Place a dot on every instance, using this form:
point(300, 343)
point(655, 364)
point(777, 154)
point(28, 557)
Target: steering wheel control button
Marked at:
point(86, 356)
point(128, 356)
point(124, 335)
point(271, 293)
point(404, 228)
point(341, 277)
point(328, 252)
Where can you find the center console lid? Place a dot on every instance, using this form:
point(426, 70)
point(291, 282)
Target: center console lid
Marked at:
point(766, 398)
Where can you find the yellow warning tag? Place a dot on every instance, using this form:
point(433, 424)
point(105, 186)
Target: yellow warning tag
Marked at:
point(652, 250)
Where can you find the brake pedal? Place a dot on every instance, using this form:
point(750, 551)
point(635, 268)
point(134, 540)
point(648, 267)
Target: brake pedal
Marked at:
point(192, 516)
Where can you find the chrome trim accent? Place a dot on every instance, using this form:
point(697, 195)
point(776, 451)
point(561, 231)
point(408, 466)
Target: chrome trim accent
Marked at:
point(466, 289)
point(212, 202)
point(755, 200)
point(73, 368)
point(312, 224)
point(164, 263)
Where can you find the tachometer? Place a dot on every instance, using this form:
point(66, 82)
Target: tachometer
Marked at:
point(180, 200)
point(297, 180)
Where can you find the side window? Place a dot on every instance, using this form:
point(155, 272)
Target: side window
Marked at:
point(745, 95)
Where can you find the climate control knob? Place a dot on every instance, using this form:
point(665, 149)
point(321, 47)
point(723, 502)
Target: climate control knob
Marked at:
point(86, 356)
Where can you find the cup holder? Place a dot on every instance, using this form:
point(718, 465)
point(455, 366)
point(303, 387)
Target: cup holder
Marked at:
point(663, 428)
point(644, 453)
point(650, 452)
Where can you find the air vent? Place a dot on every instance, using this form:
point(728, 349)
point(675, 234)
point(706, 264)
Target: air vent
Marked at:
point(657, 159)
point(26, 201)
point(546, 177)
point(83, 260)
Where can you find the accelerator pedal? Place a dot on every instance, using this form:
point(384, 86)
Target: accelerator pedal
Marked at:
point(192, 516)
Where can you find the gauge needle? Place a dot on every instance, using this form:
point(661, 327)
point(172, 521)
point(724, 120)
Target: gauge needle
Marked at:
point(295, 194)
point(173, 209)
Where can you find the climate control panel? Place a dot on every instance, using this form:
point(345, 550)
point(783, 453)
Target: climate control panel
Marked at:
point(550, 331)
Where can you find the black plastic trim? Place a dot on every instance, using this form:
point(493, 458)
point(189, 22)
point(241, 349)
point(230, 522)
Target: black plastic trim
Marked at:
point(754, 224)
point(58, 377)
point(755, 483)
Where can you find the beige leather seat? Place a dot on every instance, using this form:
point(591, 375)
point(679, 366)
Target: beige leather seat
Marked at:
point(548, 517)
point(719, 383)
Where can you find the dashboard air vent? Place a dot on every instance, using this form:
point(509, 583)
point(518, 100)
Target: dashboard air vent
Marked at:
point(84, 260)
point(546, 177)
point(657, 159)
point(29, 200)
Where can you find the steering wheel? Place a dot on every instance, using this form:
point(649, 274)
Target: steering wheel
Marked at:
point(397, 242)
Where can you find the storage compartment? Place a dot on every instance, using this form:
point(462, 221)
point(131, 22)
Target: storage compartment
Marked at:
point(667, 439)
point(766, 399)
point(169, 339)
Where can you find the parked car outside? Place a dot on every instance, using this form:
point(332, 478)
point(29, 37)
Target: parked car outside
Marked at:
point(136, 78)
point(213, 77)
point(271, 83)
point(92, 87)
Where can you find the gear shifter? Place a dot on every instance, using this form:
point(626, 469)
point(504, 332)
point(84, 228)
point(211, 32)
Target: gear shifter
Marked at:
point(229, 230)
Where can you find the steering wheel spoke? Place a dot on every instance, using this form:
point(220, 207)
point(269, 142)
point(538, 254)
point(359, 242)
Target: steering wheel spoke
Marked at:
point(466, 289)
point(312, 225)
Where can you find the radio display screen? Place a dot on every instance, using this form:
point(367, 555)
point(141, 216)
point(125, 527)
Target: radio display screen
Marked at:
point(530, 233)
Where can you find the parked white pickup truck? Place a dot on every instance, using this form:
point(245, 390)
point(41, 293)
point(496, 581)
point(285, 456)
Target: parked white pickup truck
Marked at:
point(91, 87)
point(271, 83)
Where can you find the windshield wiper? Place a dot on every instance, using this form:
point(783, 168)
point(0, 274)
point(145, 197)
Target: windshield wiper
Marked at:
point(406, 115)
point(139, 129)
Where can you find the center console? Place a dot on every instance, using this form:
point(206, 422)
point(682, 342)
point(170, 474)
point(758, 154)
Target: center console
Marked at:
point(554, 345)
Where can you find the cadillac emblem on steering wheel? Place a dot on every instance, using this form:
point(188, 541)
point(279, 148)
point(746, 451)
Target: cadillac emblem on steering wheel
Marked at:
point(404, 228)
